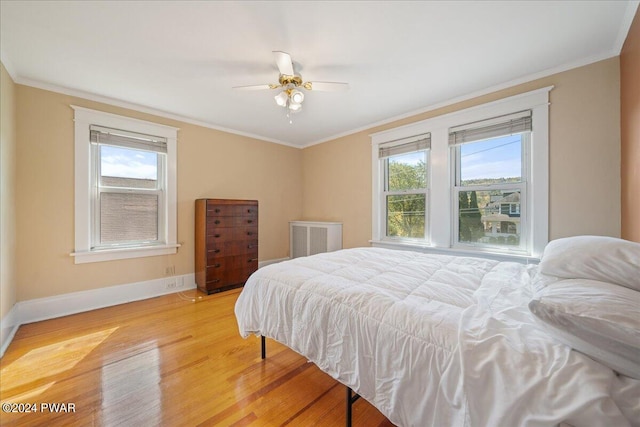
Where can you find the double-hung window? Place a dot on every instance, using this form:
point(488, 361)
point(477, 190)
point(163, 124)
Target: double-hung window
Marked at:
point(405, 196)
point(477, 183)
point(490, 162)
point(129, 188)
point(125, 187)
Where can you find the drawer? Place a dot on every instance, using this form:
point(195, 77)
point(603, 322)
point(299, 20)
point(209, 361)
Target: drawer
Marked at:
point(224, 263)
point(215, 255)
point(220, 248)
point(214, 210)
point(232, 261)
point(243, 234)
point(217, 278)
point(231, 221)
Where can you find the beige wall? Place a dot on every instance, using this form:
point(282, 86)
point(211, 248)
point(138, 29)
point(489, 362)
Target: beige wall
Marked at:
point(584, 159)
point(630, 129)
point(8, 141)
point(335, 185)
point(210, 164)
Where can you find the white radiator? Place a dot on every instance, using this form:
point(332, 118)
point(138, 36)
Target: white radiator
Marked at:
point(309, 238)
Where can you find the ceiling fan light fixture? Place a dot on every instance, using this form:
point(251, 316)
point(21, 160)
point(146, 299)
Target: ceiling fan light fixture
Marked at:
point(296, 96)
point(282, 98)
point(294, 106)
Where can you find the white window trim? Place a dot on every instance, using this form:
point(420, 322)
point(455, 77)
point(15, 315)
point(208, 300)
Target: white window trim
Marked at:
point(83, 119)
point(440, 206)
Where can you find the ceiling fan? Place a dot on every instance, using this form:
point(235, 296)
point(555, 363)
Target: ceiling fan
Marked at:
point(291, 97)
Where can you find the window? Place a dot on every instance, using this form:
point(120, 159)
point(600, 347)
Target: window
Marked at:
point(490, 183)
point(129, 178)
point(405, 187)
point(483, 181)
point(125, 190)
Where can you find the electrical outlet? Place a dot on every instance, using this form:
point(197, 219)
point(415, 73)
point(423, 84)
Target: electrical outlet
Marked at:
point(171, 285)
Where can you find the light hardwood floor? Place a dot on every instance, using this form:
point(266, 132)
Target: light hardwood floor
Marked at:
point(175, 360)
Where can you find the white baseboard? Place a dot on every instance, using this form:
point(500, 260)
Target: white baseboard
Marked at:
point(8, 327)
point(38, 309)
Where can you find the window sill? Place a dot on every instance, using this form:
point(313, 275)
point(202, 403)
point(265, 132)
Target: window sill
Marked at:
point(123, 253)
point(426, 248)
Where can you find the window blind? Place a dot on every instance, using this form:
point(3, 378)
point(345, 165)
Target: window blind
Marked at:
point(136, 141)
point(491, 128)
point(407, 145)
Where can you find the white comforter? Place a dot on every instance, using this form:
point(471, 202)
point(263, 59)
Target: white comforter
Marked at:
point(433, 340)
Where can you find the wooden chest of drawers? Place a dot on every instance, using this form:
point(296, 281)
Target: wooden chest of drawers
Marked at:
point(226, 243)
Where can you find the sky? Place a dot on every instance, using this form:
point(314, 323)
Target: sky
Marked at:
point(128, 163)
point(492, 158)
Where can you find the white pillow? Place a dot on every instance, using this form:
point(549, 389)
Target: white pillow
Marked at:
point(598, 319)
point(606, 259)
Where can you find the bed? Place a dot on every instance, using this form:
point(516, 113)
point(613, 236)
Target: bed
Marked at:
point(437, 340)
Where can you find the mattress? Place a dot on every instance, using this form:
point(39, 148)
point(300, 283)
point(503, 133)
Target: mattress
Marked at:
point(433, 340)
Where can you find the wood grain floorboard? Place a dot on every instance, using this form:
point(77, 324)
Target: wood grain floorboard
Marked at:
point(175, 360)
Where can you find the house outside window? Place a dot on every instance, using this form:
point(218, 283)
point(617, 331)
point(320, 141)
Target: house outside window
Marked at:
point(125, 187)
point(487, 188)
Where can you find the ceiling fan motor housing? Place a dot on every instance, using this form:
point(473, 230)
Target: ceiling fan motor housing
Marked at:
point(286, 80)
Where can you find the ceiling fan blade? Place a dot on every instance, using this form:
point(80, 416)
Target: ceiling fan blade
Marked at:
point(283, 61)
point(327, 86)
point(256, 87)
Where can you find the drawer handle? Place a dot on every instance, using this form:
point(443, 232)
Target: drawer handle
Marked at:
point(217, 221)
point(249, 233)
point(252, 259)
point(216, 266)
point(249, 221)
point(213, 281)
point(216, 235)
point(250, 246)
point(248, 210)
point(217, 210)
point(215, 251)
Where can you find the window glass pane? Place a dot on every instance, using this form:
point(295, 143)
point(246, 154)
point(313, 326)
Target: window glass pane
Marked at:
point(128, 217)
point(491, 161)
point(406, 215)
point(407, 171)
point(126, 167)
point(489, 217)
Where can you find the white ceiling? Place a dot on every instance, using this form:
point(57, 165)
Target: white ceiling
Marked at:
point(182, 58)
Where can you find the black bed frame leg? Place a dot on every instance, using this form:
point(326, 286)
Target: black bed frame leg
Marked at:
point(351, 398)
